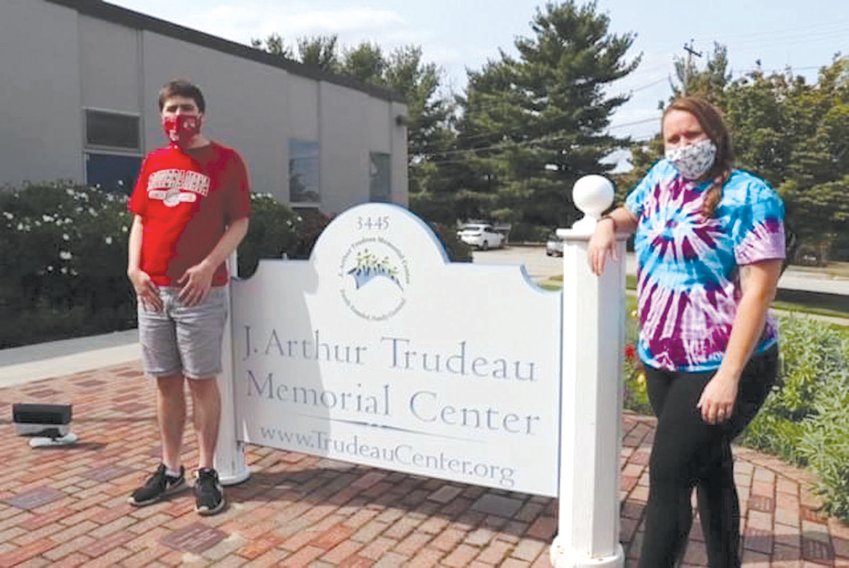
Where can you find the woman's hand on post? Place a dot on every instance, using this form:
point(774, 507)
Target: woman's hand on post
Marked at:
point(602, 245)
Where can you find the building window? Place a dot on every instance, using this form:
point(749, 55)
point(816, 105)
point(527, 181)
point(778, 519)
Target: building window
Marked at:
point(304, 172)
point(114, 173)
point(380, 185)
point(112, 150)
point(105, 129)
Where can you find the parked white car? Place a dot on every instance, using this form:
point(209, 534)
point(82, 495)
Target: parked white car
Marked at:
point(481, 236)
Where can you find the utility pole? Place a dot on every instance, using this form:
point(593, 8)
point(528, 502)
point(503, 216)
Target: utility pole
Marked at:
point(688, 65)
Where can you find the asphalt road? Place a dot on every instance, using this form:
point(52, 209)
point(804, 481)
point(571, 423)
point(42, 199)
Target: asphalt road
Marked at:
point(541, 267)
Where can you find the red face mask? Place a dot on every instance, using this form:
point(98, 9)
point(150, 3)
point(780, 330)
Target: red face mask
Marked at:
point(181, 129)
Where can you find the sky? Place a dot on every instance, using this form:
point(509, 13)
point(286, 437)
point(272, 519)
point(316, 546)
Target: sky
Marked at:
point(460, 35)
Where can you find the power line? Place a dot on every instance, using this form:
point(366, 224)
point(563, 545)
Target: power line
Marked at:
point(634, 123)
point(478, 107)
point(647, 85)
point(487, 107)
point(520, 129)
point(520, 144)
point(533, 141)
point(806, 31)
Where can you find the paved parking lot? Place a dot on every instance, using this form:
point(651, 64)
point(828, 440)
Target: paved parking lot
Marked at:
point(538, 265)
point(541, 267)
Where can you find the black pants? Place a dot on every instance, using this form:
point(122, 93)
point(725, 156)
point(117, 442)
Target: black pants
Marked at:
point(688, 452)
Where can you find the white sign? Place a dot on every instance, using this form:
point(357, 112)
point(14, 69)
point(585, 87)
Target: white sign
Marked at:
point(379, 351)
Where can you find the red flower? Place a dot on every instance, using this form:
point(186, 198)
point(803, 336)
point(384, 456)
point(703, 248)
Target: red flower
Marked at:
point(630, 352)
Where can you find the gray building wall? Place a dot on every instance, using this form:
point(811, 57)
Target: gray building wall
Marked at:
point(344, 159)
point(110, 66)
point(40, 117)
point(245, 104)
point(398, 148)
point(58, 62)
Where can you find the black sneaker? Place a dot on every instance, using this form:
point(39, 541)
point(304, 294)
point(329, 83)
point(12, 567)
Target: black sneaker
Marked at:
point(158, 486)
point(209, 495)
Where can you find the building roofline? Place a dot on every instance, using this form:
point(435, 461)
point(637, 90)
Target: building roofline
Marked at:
point(126, 17)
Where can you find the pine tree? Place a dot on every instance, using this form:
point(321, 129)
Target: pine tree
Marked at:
point(537, 122)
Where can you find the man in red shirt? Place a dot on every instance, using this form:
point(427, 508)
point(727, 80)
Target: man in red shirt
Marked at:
point(191, 205)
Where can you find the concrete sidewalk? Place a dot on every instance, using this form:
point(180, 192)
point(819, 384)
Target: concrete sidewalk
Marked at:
point(20, 365)
point(67, 507)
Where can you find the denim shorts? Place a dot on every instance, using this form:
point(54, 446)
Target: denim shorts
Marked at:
point(183, 339)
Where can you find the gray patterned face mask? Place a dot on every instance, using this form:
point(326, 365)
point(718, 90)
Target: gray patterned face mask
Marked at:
point(693, 161)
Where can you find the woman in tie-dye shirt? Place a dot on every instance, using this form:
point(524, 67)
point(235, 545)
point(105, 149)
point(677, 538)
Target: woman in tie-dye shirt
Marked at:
point(709, 241)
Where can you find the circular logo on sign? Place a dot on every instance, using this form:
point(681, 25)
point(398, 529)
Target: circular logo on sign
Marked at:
point(374, 276)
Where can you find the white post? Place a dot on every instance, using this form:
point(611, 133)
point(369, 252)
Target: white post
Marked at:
point(591, 399)
point(229, 452)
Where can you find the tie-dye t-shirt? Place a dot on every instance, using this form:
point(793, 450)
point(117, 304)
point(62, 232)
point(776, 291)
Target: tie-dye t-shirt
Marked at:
point(688, 281)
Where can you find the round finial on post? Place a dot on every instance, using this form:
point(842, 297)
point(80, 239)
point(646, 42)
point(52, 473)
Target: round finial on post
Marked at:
point(591, 194)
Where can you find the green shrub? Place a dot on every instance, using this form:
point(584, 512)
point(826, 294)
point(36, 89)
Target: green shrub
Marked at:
point(525, 233)
point(439, 212)
point(824, 444)
point(811, 353)
point(457, 250)
point(435, 207)
point(636, 393)
point(62, 259)
point(312, 224)
point(636, 396)
point(273, 232)
point(804, 419)
point(276, 231)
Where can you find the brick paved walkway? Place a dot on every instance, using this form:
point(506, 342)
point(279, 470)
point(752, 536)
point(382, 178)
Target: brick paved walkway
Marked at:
point(67, 507)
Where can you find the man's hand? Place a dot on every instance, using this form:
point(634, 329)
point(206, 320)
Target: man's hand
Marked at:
point(196, 282)
point(146, 291)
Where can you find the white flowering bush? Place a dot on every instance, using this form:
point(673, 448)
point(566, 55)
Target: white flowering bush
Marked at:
point(63, 258)
point(62, 262)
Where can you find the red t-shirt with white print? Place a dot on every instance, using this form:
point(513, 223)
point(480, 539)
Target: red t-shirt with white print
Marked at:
point(186, 199)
